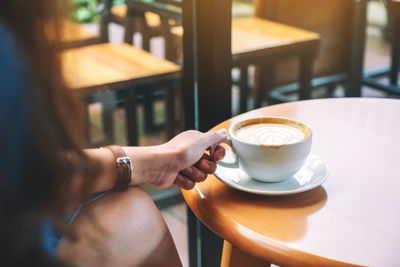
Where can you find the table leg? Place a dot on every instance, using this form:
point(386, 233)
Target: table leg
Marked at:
point(306, 62)
point(268, 76)
point(148, 112)
point(205, 247)
point(244, 88)
point(107, 100)
point(357, 48)
point(395, 64)
point(170, 120)
point(129, 29)
point(169, 41)
point(233, 256)
point(194, 247)
point(264, 82)
point(105, 21)
point(86, 102)
point(131, 118)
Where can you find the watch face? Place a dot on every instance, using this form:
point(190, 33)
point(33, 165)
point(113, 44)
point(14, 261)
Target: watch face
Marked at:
point(125, 164)
point(124, 160)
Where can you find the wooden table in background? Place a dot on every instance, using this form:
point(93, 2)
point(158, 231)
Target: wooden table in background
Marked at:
point(105, 67)
point(342, 26)
point(353, 218)
point(129, 72)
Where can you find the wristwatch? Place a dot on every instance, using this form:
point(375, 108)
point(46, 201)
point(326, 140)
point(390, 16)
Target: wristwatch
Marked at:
point(124, 167)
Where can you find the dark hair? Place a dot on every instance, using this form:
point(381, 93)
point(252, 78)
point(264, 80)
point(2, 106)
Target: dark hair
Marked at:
point(53, 158)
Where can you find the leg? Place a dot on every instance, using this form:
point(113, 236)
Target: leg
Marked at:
point(170, 120)
point(264, 82)
point(205, 248)
point(258, 85)
point(120, 229)
point(357, 48)
point(136, 22)
point(86, 102)
point(233, 256)
point(306, 62)
point(105, 21)
point(330, 89)
point(131, 117)
point(244, 88)
point(148, 112)
point(268, 80)
point(395, 64)
point(129, 29)
point(145, 31)
point(107, 101)
point(193, 225)
point(169, 48)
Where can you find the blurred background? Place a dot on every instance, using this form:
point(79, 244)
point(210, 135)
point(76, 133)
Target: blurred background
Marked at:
point(148, 69)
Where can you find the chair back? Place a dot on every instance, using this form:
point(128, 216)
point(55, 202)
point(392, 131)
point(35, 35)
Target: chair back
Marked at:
point(166, 9)
point(331, 19)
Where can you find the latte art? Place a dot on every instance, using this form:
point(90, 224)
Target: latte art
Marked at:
point(270, 134)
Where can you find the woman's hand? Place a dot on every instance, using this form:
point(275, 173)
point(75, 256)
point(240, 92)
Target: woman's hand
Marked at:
point(182, 161)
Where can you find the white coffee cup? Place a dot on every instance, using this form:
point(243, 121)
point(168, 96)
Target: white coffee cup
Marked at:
point(273, 161)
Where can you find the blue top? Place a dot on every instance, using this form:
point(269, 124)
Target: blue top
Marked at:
point(13, 106)
point(14, 128)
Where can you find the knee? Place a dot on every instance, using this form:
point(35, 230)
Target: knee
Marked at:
point(131, 211)
point(121, 226)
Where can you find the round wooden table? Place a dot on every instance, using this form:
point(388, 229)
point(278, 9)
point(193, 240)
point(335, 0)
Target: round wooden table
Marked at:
point(352, 218)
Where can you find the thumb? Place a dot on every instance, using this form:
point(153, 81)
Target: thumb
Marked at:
point(215, 137)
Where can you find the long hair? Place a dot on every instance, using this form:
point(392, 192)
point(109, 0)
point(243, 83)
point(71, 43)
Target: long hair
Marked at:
point(53, 157)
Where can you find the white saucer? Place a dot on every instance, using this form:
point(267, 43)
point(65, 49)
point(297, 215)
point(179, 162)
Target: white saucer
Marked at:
point(312, 174)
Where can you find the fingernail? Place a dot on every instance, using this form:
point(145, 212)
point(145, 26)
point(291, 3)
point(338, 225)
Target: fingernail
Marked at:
point(222, 131)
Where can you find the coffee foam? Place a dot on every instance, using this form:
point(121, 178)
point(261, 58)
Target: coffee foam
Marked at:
point(270, 133)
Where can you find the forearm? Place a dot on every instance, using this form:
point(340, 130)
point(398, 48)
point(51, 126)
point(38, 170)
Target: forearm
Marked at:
point(181, 161)
point(108, 175)
point(148, 164)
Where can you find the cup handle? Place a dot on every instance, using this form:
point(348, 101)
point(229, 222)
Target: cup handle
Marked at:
point(230, 164)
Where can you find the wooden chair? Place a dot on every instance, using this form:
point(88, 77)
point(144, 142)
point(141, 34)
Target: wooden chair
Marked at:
point(262, 42)
point(75, 35)
point(148, 24)
point(258, 41)
point(393, 71)
point(340, 24)
point(395, 64)
point(129, 72)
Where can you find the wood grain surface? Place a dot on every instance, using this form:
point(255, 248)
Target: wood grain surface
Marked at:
point(332, 20)
point(394, 7)
point(104, 66)
point(73, 32)
point(119, 13)
point(250, 34)
point(353, 218)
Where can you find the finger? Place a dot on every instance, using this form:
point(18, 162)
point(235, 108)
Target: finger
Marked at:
point(219, 153)
point(184, 182)
point(214, 137)
point(206, 157)
point(206, 166)
point(195, 174)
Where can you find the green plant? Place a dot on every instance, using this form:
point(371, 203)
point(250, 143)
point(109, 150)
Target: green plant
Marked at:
point(86, 11)
point(118, 2)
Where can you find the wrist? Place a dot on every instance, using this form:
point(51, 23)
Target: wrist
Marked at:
point(123, 165)
point(150, 164)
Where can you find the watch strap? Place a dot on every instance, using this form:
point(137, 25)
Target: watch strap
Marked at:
point(124, 167)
